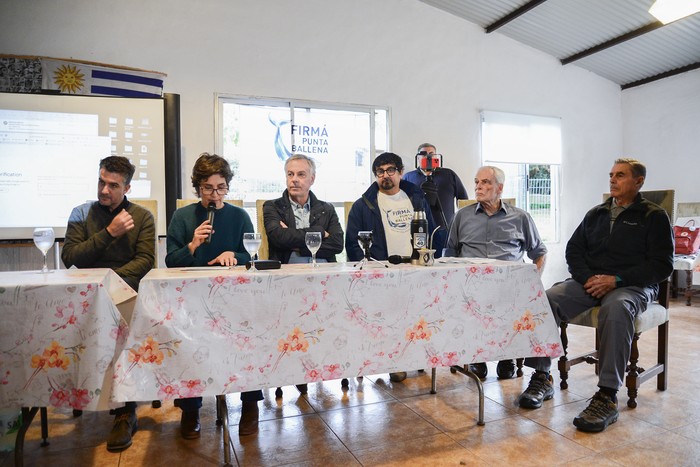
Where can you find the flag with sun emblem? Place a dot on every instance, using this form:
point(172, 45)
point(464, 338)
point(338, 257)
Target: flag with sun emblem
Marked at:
point(70, 77)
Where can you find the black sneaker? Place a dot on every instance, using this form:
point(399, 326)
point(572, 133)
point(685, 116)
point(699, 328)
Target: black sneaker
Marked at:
point(125, 425)
point(540, 389)
point(398, 376)
point(600, 413)
point(479, 369)
point(505, 369)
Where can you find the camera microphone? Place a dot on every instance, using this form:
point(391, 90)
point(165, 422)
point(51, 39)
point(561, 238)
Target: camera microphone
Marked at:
point(211, 210)
point(398, 259)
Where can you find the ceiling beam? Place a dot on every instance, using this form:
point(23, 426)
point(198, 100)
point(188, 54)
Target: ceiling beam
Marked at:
point(513, 15)
point(665, 74)
point(613, 42)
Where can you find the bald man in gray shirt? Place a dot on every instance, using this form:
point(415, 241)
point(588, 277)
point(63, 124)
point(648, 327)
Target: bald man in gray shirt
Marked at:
point(493, 229)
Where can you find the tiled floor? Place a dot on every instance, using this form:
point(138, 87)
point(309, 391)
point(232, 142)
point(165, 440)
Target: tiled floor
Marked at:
point(376, 422)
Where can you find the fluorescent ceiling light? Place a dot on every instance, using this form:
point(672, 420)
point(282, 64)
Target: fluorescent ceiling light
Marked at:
point(668, 11)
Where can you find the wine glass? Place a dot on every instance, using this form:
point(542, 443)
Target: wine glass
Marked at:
point(43, 239)
point(252, 242)
point(313, 243)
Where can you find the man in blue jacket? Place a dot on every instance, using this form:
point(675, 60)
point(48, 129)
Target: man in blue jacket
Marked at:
point(442, 187)
point(386, 208)
point(617, 256)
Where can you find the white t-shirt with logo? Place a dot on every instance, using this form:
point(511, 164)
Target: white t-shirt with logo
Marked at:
point(397, 212)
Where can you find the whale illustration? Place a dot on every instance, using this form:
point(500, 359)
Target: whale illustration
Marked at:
point(280, 149)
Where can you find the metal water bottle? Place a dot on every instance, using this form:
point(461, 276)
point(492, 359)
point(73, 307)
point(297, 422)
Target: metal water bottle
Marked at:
point(419, 234)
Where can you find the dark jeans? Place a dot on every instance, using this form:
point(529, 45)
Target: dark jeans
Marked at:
point(195, 403)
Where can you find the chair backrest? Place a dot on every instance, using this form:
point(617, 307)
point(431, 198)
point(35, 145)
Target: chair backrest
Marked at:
point(152, 206)
point(664, 198)
point(264, 251)
point(180, 203)
point(687, 210)
point(468, 202)
point(347, 205)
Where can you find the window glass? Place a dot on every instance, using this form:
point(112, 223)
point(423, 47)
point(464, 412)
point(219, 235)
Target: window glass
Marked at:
point(534, 189)
point(528, 149)
point(257, 137)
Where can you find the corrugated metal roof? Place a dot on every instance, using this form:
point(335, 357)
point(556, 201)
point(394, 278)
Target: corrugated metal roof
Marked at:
point(563, 28)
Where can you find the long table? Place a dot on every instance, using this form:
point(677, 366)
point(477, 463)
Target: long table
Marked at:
point(206, 332)
point(59, 336)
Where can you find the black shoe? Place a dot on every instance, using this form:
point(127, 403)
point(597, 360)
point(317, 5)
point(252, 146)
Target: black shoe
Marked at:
point(479, 369)
point(397, 377)
point(600, 413)
point(125, 425)
point(540, 389)
point(505, 369)
point(189, 424)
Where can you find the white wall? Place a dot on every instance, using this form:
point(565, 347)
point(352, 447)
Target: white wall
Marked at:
point(662, 128)
point(434, 70)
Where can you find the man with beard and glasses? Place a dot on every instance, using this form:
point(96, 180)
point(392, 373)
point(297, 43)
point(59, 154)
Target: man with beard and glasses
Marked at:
point(386, 208)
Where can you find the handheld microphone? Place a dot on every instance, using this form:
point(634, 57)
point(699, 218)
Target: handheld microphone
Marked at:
point(211, 210)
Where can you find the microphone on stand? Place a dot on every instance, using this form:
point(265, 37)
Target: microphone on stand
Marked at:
point(398, 259)
point(211, 210)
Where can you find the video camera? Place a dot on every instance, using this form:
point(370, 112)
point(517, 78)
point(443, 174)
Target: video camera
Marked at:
point(428, 163)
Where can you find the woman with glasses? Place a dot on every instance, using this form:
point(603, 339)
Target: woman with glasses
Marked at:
point(193, 241)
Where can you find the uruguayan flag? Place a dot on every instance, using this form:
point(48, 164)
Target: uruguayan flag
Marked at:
point(70, 77)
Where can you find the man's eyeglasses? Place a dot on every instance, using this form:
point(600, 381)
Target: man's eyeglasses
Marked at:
point(390, 171)
point(205, 190)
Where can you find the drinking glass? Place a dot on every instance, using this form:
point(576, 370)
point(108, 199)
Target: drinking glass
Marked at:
point(252, 242)
point(43, 239)
point(313, 243)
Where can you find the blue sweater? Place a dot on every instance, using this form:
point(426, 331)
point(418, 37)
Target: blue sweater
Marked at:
point(230, 223)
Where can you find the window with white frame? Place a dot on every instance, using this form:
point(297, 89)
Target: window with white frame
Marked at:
point(528, 149)
point(256, 136)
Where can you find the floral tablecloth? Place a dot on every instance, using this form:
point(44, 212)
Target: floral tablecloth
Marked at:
point(208, 332)
point(59, 335)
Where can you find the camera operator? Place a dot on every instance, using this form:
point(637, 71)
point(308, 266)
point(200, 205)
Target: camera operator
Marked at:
point(442, 186)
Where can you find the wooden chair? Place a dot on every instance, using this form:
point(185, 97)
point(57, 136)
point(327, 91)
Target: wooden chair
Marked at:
point(685, 265)
point(655, 316)
point(152, 206)
point(347, 205)
point(468, 202)
point(264, 251)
